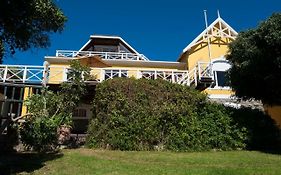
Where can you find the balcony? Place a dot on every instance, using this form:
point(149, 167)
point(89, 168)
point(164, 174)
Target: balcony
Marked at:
point(22, 74)
point(102, 55)
point(201, 76)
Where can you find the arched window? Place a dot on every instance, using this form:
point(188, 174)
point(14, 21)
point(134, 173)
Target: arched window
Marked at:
point(219, 67)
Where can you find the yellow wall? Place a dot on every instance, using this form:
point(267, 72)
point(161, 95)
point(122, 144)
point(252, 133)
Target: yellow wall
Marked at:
point(274, 112)
point(96, 73)
point(133, 73)
point(219, 91)
point(56, 71)
point(56, 74)
point(27, 93)
point(200, 52)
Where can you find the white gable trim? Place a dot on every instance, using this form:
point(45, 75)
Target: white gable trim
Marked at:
point(204, 34)
point(85, 45)
point(110, 37)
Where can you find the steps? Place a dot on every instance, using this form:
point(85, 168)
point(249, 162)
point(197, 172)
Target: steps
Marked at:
point(201, 76)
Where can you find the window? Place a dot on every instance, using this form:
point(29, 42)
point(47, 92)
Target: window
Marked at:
point(220, 67)
point(220, 77)
point(105, 48)
point(123, 49)
point(80, 113)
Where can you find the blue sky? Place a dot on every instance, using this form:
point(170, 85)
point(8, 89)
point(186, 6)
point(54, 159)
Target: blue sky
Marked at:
point(158, 29)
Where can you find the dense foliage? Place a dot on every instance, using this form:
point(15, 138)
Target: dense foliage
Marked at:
point(26, 24)
point(255, 56)
point(262, 131)
point(50, 110)
point(145, 114)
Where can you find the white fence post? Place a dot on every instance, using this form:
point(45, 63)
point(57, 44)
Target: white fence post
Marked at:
point(5, 73)
point(24, 74)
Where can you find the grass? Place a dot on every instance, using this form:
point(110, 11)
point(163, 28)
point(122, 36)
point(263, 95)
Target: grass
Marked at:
point(87, 161)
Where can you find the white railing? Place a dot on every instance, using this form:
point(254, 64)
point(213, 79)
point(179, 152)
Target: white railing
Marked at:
point(193, 79)
point(180, 77)
point(113, 73)
point(201, 71)
point(58, 74)
point(21, 73)
point(204, 70)
point(102, 55)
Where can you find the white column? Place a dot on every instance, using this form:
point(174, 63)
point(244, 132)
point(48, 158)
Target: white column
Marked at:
point(5, 73)
point(24, 74)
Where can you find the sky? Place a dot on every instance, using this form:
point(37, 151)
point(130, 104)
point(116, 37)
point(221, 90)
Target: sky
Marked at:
point(158, 29)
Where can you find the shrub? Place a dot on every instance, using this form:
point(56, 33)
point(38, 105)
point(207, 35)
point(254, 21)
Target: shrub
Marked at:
point(39, 131)
point(50, 110)
point(130, 114)
point(262, 131)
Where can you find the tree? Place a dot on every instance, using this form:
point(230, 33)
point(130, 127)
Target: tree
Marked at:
point(27, 24)
point(255, 56)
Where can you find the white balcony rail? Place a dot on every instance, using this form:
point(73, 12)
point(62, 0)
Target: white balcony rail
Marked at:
point(102, 55)
point(112, 73)
point(21, 73)
point(179, 77)
point(204, 70)
point(58, 74)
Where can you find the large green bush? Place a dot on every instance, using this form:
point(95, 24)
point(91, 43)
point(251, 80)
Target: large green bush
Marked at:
point(130, 114)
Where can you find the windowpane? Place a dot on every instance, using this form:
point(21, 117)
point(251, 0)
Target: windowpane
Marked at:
point(221, 78)
point(80, 113)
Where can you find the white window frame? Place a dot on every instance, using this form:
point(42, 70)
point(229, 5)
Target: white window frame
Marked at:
point(220, 65)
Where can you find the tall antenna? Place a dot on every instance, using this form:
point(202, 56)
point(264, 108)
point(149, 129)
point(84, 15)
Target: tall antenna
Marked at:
point(218, 11)
point(207, 33)
point(219, 17)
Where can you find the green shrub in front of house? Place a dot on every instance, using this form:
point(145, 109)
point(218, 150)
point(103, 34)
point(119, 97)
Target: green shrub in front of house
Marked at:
point(130, 114)
point(262, 131)
point(51, 112)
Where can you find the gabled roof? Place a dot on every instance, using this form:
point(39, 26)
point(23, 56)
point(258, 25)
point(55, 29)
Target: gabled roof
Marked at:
point(92, 37)
point(219, 28)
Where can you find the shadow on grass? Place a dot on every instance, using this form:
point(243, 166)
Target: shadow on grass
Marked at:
point(13, 163)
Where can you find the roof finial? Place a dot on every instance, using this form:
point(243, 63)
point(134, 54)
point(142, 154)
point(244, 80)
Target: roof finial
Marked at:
point(218, 11)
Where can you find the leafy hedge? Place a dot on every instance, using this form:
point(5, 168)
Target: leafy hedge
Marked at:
point(142, 114)
point(262, 131)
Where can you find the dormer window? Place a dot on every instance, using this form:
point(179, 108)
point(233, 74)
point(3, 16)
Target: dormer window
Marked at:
point(105, 48)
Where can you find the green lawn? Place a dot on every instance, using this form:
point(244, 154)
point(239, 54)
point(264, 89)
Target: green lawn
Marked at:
point(86, 161)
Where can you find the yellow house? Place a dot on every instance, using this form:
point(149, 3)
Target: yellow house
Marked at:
point(205, 56)
point(202, 64)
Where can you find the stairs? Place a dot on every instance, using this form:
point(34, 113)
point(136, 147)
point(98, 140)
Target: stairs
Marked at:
point(201, 76)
